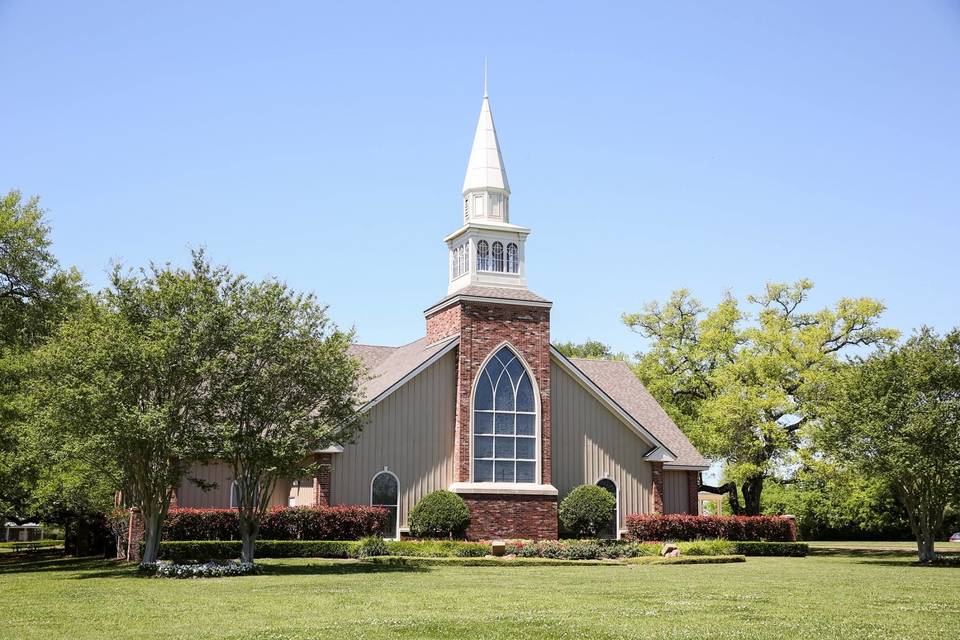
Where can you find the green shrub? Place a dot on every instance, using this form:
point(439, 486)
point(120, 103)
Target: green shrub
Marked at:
point(587, 511)
point(441, 514)
point(372, 546)
point(708, 548)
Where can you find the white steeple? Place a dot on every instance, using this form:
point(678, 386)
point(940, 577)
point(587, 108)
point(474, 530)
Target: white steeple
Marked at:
point(487, 250)
point(485, 167)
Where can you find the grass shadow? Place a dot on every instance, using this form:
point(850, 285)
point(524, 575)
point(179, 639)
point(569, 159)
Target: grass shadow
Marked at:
point(86, 567)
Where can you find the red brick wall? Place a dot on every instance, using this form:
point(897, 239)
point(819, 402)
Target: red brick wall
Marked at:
point(657, 473)
point(443, 324)
point(484, 326)
point(693, 491)
point(321, 482)
point(511, 516)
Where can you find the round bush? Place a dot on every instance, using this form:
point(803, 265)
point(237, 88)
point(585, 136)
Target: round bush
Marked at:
point(441, 514)
point(372, 546)
point(587, 510)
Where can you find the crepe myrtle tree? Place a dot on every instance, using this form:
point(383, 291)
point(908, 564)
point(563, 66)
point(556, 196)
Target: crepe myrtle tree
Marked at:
point(283, 387)
point(895, 416)
point(123, 381)
point(737, 384)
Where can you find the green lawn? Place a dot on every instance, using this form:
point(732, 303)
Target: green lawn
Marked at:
point(829, 596)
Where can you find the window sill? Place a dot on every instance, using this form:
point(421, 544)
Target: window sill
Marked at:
point(505, 488)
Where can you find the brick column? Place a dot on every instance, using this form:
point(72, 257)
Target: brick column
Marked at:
point(321, 481)
point(657, 473)
point(693, 492)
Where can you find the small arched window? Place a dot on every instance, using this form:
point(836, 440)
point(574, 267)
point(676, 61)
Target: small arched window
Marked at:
point(497, 256)
point(612, 530)
point(234, 495)
point(483, 256)
point(504, 422)
point(385, 492)
point(513, 259)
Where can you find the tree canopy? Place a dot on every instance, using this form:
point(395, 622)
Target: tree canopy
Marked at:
point(896, 417)
point(591, 349)
point(737, 383)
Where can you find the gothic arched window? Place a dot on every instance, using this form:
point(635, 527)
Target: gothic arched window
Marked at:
point(483, 256)
point(513, 259)
point(504, 422)
point(497, 256)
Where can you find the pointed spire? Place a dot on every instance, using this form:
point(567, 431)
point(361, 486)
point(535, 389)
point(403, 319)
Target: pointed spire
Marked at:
point(485, 167)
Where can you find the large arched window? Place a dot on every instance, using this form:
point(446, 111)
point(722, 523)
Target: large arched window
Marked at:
point(385, 492)
point(612, 530)
point(483, 256)
point(497, 256)
point(504, 422)
point(513, 259)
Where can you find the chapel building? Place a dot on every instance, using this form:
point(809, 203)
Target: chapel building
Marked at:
point(484, 406)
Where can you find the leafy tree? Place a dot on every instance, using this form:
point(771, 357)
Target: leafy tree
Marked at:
point(592, 349)
point(738, 385)
point(125, 381)
point(896, 416)
point(282, 387)
point(35, 295)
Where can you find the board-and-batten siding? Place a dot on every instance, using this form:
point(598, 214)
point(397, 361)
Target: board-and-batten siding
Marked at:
point(675, 492)
point(411, 432)
point(589, 443)
point(190, 495)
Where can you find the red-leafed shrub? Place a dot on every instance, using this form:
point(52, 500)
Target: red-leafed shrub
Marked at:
point(685, 527)
point(345, 522)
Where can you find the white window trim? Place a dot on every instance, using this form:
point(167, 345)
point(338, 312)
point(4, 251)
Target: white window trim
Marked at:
point(616, 497)
point(538, 478)
point(395, 477)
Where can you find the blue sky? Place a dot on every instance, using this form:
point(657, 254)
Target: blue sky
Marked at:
point(650, 146)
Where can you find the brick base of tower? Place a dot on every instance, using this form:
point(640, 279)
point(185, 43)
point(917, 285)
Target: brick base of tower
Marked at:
point(511, 516)
point(483, 327)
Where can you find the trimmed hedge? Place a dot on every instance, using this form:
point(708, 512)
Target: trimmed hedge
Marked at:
point(406, 561)
point(344, 522)
point(202, 550)
point(686, 527)
point(441, 514)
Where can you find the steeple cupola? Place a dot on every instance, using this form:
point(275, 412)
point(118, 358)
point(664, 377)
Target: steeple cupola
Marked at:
point(487, 250)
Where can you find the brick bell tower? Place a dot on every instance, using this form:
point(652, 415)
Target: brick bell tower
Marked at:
point(503, 453)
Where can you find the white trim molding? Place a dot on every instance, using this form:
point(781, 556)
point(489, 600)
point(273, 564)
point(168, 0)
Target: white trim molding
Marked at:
point(504, 488)
point(684, 467)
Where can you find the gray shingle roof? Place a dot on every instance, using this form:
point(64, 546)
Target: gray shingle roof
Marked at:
point(619, 382)
point(501, 293)
point(388, 365)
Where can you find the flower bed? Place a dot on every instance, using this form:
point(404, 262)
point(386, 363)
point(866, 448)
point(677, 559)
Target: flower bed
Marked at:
point(685, 527)
point(204, 570)
point(407, 561)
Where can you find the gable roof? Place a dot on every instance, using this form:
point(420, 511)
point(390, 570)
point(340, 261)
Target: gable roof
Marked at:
point(390, 367)
point(617, 380)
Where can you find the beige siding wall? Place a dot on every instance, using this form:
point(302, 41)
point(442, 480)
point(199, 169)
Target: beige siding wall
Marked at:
point(590, 442)
point(412, 433)
point(675, 496)
point(189, 495)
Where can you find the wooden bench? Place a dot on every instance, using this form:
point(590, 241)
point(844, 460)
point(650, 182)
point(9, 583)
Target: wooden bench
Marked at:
point(29, 547)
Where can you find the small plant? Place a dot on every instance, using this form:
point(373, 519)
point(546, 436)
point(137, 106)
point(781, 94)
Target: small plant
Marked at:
point(441, 514)
point(204, 570)
point(587, 511)
point(372, 546)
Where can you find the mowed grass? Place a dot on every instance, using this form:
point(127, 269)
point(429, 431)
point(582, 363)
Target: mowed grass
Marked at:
point(832, 596)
